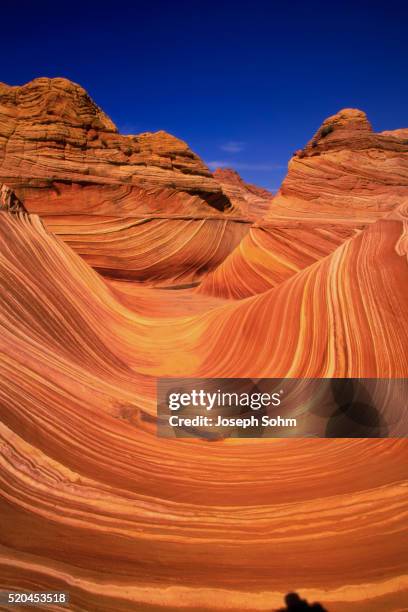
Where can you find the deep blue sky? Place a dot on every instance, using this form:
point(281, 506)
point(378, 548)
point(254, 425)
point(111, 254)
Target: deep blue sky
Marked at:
point(244, 83)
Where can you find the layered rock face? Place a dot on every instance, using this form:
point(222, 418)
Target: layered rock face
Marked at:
point(272, 252)
point(92, 501)
point(166, 251)
point(63, 157)
point(125, 520)
point(346, 170)
point(346, 177)
point(50, 129)
point(254, 201)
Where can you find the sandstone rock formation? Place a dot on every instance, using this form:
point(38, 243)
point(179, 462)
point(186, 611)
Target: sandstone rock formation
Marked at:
point(92, 501)
point(9, 202)
point(52, 132)
point(254, 201)
point(272, 252)
point(160, 250)
point(81, 466)
point(346, 177)
point(346, 170)
point(64, 158)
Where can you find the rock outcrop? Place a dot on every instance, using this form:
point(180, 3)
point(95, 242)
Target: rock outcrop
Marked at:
point(52, 132)
point(136, 207)
point(346, 169)
point(252, 200)
point(346, 177)
point(82, 468)
point(9, 202)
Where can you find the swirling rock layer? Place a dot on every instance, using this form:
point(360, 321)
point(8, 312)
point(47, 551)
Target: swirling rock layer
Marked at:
point(91, 500)
point(125, 520)
point(346, 170)
point(61, 155)
point(254, 201)
point(273, 252)
point(345, 178)
point(153, 250)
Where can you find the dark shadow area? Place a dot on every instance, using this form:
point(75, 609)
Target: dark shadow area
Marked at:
point(217, 200)
point(294, 603)
point(356, 416)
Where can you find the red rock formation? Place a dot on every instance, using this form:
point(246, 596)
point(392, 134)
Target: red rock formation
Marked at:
point(158, 250)
point(52, 132)
point(273, 252)
point(252, 200)
point(91, 500)
point(63, 156)
point(346, 170)
point(231, 177)
point(124, 519)
point(346, 177)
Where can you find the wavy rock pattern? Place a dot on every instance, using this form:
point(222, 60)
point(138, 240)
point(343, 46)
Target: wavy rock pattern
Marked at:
point(125, 520)
point(91, 500)
point(346, 170)
point(254, 201)
point(272, 253)
point(61, 155)
point(346, 177)
point(154, 250)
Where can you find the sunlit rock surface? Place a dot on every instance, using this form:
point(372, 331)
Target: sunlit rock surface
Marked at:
point(346, 170)
point(109, 194)
point(345, 178)
point(50, 129)
point(254, 201)
point(94, 503)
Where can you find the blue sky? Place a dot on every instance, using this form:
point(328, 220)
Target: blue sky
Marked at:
point(244, 83)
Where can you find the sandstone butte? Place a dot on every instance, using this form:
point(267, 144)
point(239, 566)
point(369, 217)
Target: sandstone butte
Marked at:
point(106, 193)
point(345, 178)
point(94, 503)
point(56, 143)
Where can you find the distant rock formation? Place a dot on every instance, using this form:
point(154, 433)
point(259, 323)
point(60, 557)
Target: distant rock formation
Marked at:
point(135, 207)
point(346, 169)
point(53, 136)
point(229, 176)
point(252, 200)
point(346, 177)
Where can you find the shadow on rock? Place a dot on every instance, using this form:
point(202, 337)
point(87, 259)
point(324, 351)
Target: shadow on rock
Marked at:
point(295, 604)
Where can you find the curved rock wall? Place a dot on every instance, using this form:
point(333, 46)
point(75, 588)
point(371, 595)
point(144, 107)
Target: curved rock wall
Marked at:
point(94, 503)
